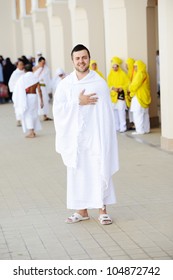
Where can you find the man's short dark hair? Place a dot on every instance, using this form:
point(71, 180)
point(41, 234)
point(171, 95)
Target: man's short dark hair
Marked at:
point(28, 67)
point(20, 60)
point(41, 58)
point(78, 48)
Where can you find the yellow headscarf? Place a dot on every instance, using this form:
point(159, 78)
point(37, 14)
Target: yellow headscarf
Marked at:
point(116, 60)
point(98, 72)
point(130, 63)
point(141, 65)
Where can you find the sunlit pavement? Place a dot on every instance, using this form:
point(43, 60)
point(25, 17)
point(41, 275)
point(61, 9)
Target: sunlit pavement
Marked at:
point(33, 200)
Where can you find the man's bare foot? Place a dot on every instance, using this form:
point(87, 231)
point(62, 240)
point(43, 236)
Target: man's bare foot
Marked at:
point(31, 135)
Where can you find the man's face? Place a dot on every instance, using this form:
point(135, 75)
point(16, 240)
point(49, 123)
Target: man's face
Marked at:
point(94, 66)
point(81, 61)
point(20, 65)
point(42, 63)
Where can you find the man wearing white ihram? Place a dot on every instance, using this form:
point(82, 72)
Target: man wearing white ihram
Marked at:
point(13, 80)
point(26, 101)
point(86, 139)
point(42, 72)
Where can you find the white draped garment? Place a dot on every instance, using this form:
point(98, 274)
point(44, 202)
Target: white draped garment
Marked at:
point(12, 82)
point(87, 141)
point(43, 74)
point(14, 77)
point(26, 105)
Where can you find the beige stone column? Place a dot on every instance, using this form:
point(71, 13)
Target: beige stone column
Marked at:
point(60, 35)
point(88, 28)
point(165, 9)
point(41, 32)
point(27, 36)
point(115, 30)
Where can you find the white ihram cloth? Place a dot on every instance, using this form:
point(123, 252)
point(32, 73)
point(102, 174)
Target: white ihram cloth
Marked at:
point(140, 116)
point(43, 74)
point(87, 141)
point(26, 105)
point(12, 82)
point(57, 79)
point(14, 78)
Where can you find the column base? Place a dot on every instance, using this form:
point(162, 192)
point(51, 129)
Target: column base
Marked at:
point(167, 144)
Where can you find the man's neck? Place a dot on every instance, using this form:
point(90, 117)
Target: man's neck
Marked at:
point(81, 75)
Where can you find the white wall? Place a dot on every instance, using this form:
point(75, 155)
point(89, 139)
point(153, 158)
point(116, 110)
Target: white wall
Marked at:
point(7, 42)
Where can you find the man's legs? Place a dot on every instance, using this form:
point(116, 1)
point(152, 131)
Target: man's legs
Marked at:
point(117, 121)
point(122, 120)
point(139, 122)
point(146, 121)
point(31, 134)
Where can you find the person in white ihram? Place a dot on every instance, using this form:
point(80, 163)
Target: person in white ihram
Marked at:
point(13, 80)
point(42, 72)
point(59, 75)
point(25, 98)
point(86, 139)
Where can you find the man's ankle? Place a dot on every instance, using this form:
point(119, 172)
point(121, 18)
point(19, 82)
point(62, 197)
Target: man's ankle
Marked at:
point(83, 212)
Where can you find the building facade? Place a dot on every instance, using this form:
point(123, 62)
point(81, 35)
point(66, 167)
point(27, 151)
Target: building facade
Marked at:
point(124, 28)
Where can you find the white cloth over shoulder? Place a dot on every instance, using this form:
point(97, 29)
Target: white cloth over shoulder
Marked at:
point(95, 122)
point(43, 74)
point(19, 94)
point(14, 78)
point(56, 79)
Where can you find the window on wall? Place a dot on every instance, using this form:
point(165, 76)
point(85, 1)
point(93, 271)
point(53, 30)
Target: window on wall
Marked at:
point(17, 9)
point(28, 7)
point(42, 3)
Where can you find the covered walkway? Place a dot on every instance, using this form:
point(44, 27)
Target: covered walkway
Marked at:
point(33, 200)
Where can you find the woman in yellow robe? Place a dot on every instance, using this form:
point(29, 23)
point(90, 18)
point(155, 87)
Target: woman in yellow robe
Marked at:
point(94, 67)
point(118, 82)
point(129, 63)
point(141, 98)
point(130, 68)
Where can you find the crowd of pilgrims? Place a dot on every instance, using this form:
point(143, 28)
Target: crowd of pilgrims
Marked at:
point(128, 82)
point(6, 69)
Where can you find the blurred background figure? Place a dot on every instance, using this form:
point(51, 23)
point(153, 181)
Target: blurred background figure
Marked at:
point(118, 82)
point(140, 93)
point(59, 75)
point(38, 55)
point(13, 80)
point(9, 67)
point(42, 72)
point(129, 65)
point(94, 67)
point(1, 69)
point(26, 95)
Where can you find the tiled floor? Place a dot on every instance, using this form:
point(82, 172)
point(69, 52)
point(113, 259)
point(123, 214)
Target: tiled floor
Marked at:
point(33, 200)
